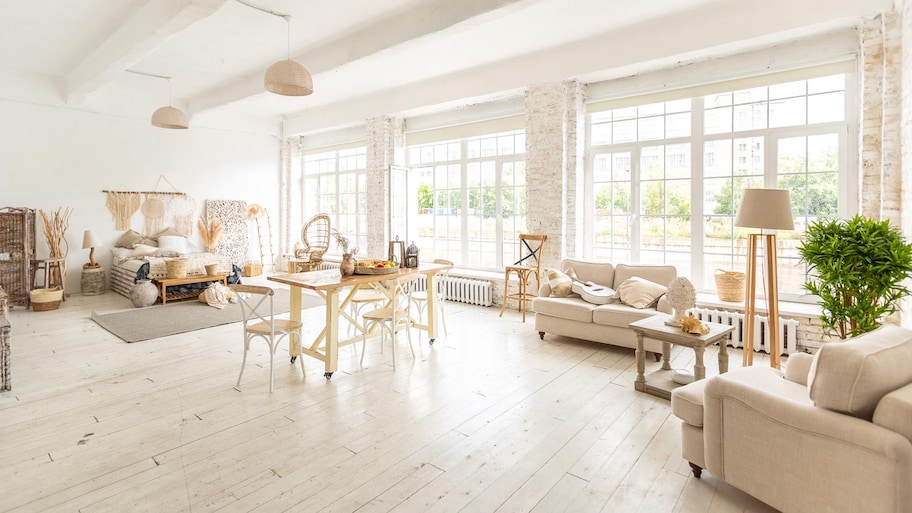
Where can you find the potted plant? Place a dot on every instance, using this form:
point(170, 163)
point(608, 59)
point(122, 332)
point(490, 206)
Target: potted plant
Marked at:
point(857, 267)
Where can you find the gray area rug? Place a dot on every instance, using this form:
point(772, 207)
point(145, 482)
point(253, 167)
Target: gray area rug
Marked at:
point(158, 321)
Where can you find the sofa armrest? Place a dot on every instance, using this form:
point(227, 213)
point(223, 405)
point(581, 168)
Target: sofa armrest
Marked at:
point(756, 424)
point(894, 411)
point(798, 367)
point(545, 289)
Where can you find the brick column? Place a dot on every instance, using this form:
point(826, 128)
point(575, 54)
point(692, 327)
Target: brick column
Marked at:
point(385, 147)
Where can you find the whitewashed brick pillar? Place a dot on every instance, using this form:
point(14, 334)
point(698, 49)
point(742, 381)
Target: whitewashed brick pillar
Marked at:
point(881, 118)
point(574, 168)
point(385, 147)
point(905, 20)
point(546, 177)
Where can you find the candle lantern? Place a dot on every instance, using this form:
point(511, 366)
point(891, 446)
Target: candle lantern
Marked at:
point(411, 255)
point(396, 251)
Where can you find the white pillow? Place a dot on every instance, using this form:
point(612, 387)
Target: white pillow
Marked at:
point(172, 243)
point(639, 293)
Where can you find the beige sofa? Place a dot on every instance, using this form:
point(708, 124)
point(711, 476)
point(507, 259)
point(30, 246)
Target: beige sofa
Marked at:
point(573, 317)
point(833, 433)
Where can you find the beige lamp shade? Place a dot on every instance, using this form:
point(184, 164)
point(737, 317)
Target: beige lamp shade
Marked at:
point(90, 240)
point(288, 78)
point(766, 209)
point(169, 117)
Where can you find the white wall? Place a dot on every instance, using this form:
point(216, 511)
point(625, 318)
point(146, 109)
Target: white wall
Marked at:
point(52, 157)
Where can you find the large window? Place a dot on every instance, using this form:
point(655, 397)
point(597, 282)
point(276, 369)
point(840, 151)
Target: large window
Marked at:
point(333, 182)
point(667, 177)
point(471, 198)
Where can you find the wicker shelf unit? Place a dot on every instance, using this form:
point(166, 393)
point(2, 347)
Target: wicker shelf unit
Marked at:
point(17, 250)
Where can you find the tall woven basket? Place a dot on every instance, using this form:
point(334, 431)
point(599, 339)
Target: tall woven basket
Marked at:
point(730, 285)
point(177, 267)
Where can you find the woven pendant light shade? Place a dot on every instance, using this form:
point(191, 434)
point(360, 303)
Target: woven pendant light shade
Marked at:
point(169, 117)
point(288, 78)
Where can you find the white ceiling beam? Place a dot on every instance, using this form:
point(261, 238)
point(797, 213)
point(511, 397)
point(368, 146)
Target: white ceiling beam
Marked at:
point(421, 21)
point(148, 27)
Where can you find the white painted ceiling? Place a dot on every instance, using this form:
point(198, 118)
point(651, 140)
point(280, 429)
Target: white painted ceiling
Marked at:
point(365, 53)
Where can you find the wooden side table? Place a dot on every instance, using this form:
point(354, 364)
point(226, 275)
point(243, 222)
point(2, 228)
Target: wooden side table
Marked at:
point(92, 282)
point(164, 283)
point(654, 327)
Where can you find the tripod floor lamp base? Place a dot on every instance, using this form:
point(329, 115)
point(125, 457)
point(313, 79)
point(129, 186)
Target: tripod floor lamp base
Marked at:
point(772, 290)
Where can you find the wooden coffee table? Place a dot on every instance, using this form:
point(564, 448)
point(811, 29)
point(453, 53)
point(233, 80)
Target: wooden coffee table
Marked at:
point(164, 283)
point(654, 327)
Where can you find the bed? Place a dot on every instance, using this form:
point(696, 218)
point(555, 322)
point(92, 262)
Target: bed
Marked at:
point(133, 250)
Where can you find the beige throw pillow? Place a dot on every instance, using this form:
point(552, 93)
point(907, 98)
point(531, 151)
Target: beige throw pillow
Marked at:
point(639, 293)
point(560, 283)
point(129, 239)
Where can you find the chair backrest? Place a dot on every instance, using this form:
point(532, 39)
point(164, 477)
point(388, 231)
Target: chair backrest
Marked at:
point(251, 306)
point(315, 235)
point(531, 248)
point(442, 275)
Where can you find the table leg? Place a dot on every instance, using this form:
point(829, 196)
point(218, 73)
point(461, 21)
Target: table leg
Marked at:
point(294, 314)
point(640, 383)
point(666, 356)
point(723, 356)
point(699, 368)
point(432, 307)
point(332, 332)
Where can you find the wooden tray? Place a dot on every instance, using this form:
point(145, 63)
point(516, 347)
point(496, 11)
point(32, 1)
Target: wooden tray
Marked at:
point(374, 270)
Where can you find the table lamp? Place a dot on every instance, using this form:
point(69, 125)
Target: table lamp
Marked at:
point(90, 241)
point(765, 209)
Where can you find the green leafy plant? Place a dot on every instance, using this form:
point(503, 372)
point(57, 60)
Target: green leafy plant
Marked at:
point(857, 268)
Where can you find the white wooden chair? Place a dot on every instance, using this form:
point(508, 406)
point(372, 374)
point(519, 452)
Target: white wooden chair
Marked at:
point(253, 299)
point(392, 318)
point(420, 297)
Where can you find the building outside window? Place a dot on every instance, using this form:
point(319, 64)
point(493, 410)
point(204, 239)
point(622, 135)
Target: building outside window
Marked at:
point(471, 198)
point(666, 178)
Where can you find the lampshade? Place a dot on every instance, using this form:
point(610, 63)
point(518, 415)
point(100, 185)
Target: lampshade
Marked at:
point(288, 78)
point(765, 208)
point(169, 117)
point(90, 240)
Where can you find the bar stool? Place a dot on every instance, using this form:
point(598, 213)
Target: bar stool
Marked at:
point(54, 273)
point(530, 252)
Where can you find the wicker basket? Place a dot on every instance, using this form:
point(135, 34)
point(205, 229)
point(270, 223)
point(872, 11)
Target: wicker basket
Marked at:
point(253, 269)
point(211, 269)
point(730, 285)
point(46, 299)
point(177, 267)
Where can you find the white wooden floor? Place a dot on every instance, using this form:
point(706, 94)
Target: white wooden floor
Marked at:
point(489, 418)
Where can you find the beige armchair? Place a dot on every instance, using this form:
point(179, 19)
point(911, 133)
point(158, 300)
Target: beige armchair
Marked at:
point(833, 433)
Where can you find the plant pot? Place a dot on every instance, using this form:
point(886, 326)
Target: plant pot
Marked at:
point(144, 294)
point(347, 267)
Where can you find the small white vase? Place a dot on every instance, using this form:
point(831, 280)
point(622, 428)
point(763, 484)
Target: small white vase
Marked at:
point(144, 294)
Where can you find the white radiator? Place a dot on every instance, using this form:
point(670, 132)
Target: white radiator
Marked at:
point(325, 266)
point(463, 290)
point(788, 329)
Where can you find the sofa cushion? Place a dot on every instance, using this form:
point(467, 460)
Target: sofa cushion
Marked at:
point(601, 273)
point(687, 402)
point(570, 308)
point(559, 282)
point(852, 376)
point(661, 274)
point(619, 315)
point(639, 293)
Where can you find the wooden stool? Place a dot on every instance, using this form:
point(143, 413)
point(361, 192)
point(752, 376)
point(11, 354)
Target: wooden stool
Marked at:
point(54, 273)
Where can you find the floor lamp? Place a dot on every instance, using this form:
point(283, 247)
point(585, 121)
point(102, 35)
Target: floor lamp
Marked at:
point(765, 209)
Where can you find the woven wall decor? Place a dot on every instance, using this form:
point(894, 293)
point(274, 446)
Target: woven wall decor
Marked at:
point(122, 205)
point(234, 242)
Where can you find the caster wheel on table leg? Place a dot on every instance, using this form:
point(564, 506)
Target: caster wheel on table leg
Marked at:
point(431, 341)
point(327, 375)
point(293, 358)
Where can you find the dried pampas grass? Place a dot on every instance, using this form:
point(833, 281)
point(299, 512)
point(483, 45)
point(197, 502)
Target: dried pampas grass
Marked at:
point(211, 232)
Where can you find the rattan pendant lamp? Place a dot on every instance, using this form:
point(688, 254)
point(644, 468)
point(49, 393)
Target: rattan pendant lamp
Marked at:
point(167, 116)
point(286, 77)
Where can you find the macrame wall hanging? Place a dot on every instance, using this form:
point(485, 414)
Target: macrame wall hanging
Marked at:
point(159, 208)
point(123, 204)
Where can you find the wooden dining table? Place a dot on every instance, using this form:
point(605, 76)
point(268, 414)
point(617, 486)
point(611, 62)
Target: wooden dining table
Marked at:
point(337, 292)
